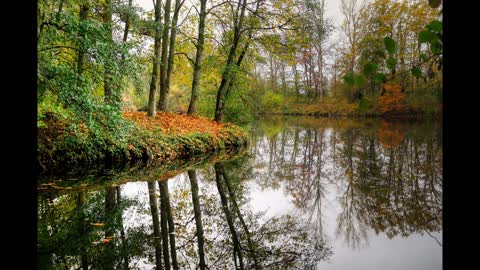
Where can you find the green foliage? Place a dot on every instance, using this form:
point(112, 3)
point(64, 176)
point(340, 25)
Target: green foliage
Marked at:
point(369, 69)
point(435, 26)
point(391, 62)
point(272, 101)
point(390, 45)
point(380, 78)
point(426, 36)
point(238, 108)
point(416, 72)
point(349, 78)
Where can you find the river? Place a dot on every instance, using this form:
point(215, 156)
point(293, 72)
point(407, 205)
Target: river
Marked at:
point(307, 193)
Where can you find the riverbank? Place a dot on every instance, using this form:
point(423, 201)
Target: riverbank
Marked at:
point(102, 177)
point(363, 108)
point(167, 137)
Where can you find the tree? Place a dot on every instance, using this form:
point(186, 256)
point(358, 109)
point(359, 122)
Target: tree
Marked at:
point(162, 101)
point(155, 80)
point(197, 69)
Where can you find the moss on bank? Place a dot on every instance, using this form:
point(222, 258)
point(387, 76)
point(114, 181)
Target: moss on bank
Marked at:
point(166, 138)
point(101, 177)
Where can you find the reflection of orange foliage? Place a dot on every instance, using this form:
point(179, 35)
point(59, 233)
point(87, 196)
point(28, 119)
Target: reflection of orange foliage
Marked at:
point(389, 136)
point(392, 100)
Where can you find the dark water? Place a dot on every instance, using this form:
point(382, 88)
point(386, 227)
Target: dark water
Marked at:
point(307, 194)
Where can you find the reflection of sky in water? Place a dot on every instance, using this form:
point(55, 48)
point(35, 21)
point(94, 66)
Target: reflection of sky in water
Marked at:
point(373, 251)
point(279, 188)
point(413, 252)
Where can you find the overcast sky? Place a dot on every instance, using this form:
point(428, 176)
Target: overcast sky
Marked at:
point(332, 11)
point(332, 8)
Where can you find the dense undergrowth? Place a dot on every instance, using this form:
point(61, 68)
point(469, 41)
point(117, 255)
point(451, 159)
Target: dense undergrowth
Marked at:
point(392, 103)
point(68, 141)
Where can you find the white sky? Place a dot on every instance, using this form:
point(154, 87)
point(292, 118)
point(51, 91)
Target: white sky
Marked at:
point(332, 11)
point(332, 8)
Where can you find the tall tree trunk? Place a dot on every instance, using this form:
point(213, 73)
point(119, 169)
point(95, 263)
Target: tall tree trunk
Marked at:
point(228, 215)
point(162, 101)
point(198, 218)
point(127, 22)
point(295, 79)
point(156, 225)
point(321, 86)
point(282, 75)
point(156, 60)
point(229, 72)
point(107, 82)
point(197, 69)
point(335, 78)
point(164, 224)
point(81, 34)
point(122, 231)
point(171, 53)
point(127, 27)
point(226, 78)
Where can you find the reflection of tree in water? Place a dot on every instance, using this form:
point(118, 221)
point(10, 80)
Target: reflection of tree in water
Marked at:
point(234, 236)
point(392, 188)
point(390, 185)
point(85, 231)
point(204, 234)
point(389, 175)
point(297, 157)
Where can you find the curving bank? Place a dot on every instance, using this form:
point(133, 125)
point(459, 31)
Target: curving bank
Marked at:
point(167, 137)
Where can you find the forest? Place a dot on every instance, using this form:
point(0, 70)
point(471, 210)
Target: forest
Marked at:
point(239, 134)
point(101, 61)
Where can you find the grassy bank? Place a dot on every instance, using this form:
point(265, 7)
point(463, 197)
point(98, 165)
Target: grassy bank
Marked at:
point(366, 107)
point(165, 138)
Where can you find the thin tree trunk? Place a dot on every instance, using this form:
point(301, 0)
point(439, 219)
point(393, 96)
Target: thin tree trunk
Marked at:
point(156, 61)
point(122, 232)
point(236, 208)
point(295, 79)
point(162, 101)
point(197, 69)
point(171, 226)
point(164, 224)
point(236, 243)
point(109, 259)
point(83, 252)
point(127, 22)
point(198, 218)
point(107, 82)
point(229, 73)
point(173, 34)
point(156, 225)
point(81, 34)
point(127, 27)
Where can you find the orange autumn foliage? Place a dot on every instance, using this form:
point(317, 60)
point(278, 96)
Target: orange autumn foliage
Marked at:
point(175, 124)
point(389, 136)
point(393, 100)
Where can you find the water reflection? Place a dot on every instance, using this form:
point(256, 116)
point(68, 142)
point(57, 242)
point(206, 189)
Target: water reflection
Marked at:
point(389, 174)
point(381, 177)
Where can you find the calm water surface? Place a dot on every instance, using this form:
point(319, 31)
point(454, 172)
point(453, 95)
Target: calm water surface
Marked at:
point(308, 193)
